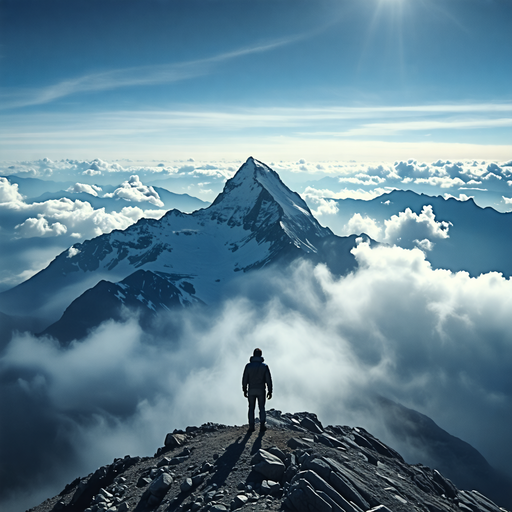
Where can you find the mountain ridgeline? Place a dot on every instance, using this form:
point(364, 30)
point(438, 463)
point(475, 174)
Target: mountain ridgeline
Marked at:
point(179, 260)
point(296, 465)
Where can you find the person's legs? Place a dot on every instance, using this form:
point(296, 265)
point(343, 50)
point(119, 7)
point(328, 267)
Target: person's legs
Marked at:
point(261, 407)
point(252, 404)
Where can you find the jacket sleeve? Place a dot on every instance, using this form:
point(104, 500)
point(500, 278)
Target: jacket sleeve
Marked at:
point(245, 379)
point(268, 380)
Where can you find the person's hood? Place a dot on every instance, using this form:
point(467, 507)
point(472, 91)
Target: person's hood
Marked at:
point(256, 359)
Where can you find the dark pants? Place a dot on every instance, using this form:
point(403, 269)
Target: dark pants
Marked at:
point(253, 396)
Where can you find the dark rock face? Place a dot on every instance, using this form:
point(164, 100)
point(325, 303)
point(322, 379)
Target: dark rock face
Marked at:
point(452, 456)
point(143, 292)
point(296, 465)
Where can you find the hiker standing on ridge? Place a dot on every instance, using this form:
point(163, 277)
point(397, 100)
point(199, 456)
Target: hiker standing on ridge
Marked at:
point(256, 376)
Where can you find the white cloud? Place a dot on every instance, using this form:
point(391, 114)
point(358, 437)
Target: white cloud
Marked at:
point(443, 182)
point(425, 245)
point(73, 251)
point(39, 228)
point(460, 197)
point(128, 77)
point(436, 341)
point(78, 188)
point(359, 224)
point(324, 207)
point(134, 190)
point(314, 193)
point(406, 227)
point(9, 192)
point(508, 200)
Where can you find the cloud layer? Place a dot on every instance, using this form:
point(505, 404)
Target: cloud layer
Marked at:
point(433, 340)
point(63, 221)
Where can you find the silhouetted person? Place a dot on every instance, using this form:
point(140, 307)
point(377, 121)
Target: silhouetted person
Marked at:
point(256, 376)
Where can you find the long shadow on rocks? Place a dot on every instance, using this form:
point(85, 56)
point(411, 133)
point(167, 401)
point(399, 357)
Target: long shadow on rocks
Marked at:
point(226, 462)
point(257, 443)
point(255, 478)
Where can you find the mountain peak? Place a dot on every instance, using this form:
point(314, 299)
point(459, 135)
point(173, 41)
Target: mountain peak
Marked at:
point(256, 196)
point(256, 220)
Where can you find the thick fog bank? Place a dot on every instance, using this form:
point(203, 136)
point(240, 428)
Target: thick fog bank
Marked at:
point(434, 341)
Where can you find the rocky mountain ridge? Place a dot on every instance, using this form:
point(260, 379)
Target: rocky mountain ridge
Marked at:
point(296, 465)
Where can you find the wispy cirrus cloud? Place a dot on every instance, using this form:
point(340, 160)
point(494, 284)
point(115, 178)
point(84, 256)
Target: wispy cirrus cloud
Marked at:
point(426, 125)
point(132, 76)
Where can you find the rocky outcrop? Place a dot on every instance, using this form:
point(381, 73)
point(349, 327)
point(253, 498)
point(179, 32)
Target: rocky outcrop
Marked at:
point(296, 465)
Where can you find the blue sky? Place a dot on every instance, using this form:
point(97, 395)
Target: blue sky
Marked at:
point(225, 79)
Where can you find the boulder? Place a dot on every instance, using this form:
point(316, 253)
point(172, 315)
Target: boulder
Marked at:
point(268, 465)
point(303, 498)
point(319, 484)
point(160, 485)
point(186, 485)
point(449, 489)
point(297, 443)
point(274, 450)
point(269, 487)
point(311, 425)
point(174, 440)
point(239, 501)
point(164, 462)
point(320, 467)
point(218, 507)
point(143, 481)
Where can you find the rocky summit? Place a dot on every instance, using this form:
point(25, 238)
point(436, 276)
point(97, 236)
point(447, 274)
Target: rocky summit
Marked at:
point(295, 465)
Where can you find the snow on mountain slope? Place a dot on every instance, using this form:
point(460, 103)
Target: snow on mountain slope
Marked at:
point(255, 221)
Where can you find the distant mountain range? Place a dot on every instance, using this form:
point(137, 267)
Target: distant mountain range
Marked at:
point(480, 239)
point(31, 189)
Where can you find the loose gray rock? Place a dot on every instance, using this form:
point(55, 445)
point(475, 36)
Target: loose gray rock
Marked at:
point(270, 487)
point(297, 443)
point(311, 425)
point(186, 485)
point(274, 450)
point(303, 498)
point(143, 481)
point(268, 465)
point(174, 440)
point(218, 508)
point(164, 462)
point(239, 501)
point(161, 485)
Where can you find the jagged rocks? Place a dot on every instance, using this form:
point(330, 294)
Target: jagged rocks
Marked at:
point(270, 466)
point(174, 440)
point(288, 468)
point(296, 442)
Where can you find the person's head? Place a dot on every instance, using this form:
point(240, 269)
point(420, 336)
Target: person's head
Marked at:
point(257, 352)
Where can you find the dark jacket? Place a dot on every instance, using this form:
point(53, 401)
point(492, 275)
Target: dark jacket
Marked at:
point(256, 375)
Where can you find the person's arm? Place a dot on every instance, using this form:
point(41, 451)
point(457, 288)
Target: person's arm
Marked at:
point(268, 380)
point(245, 381)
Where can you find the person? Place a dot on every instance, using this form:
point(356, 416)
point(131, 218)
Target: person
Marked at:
point(256, 376)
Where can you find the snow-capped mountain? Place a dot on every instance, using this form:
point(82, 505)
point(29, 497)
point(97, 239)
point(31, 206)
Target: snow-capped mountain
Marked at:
point(254, 222)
